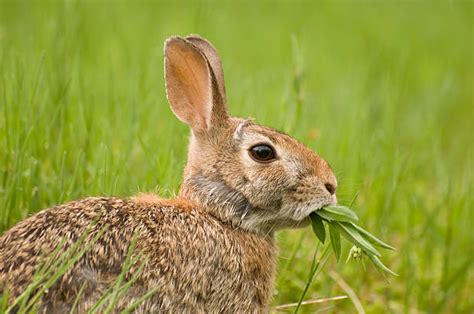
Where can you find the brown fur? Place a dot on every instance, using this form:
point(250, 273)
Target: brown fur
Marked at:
point(172, 238)
point(211, 249)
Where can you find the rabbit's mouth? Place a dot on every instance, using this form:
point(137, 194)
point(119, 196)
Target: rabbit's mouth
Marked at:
point(306, 220)
point(302, 213)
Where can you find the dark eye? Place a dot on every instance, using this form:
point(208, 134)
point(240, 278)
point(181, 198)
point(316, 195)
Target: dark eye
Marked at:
point(262, 153)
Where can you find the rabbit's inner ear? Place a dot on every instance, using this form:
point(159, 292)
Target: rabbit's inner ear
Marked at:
point(214, 60)
point(188, 83)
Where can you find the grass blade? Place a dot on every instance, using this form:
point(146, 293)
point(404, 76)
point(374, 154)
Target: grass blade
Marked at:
point(377, 262)
point(139, 301)
point(370, 237)
point(353, 236)
point(335, 240)
point(334, 213)
point(343, 211)
point(4, 301)
point(318, 227)
point(78, 298)
point(316, 265)
point(284, 307)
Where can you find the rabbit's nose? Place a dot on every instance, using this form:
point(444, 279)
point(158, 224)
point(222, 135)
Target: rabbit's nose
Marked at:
point(331, 188)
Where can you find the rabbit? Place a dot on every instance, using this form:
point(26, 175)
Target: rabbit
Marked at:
point(211, 248)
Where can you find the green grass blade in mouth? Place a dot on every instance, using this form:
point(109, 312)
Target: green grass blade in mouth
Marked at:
point(342, 210)
point(371, 238)
point(354, 236)
point(318, 227)
point(377, 262)
point(342, 220)
point(337, 213)
point(335, 240)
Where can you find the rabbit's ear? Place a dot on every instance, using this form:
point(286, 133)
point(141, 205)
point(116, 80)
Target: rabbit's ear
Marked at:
point(191, 86)
point(213, 57)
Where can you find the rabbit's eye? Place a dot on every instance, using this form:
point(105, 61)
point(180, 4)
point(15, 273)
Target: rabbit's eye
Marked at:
point(262, 153)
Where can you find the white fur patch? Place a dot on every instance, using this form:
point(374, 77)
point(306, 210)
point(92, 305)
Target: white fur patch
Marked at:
point(238, 133)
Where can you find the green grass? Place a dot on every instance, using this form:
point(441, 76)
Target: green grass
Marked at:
point(383, 91)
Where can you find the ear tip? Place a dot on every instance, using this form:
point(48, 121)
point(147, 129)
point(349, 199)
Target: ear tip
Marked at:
point(173, 40)
point(190, 39)
point(199, 41)
point(193, 36)
point(190, 42)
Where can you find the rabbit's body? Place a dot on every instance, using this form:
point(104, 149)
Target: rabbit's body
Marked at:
point(209, 250)
point(220, 267)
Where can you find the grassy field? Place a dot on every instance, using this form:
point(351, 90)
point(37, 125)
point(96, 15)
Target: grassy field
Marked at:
point(383, 91)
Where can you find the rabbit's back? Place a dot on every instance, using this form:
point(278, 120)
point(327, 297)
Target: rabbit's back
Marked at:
point(190, 259)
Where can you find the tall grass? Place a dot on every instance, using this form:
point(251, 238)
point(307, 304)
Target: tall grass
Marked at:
point(383, 91)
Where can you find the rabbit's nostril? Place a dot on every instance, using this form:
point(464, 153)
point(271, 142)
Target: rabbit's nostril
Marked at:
point(331, 188)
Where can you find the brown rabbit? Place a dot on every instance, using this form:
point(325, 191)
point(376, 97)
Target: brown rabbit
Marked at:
point(212, 248)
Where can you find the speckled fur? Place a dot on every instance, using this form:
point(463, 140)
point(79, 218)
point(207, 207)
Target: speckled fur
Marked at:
point(209, 250)
point(197, 262)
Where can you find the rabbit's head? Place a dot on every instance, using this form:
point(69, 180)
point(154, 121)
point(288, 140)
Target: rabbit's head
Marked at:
point(249, 175)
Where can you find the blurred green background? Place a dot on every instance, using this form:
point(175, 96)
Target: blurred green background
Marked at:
point(382, 90)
